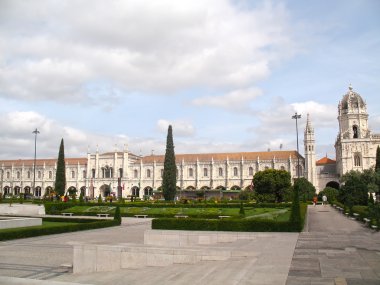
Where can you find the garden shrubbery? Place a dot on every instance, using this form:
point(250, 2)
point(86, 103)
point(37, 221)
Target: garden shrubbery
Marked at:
point(80, 225)
point(232, 224)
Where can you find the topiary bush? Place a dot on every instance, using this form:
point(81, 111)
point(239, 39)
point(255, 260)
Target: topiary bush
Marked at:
point(117, 216)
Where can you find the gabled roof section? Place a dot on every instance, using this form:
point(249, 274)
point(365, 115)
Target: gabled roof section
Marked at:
point(236, 156)
point(325, 160)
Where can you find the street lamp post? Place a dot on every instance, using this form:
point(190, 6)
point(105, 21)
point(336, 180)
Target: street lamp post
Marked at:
point(296, 117)
point(35, 132)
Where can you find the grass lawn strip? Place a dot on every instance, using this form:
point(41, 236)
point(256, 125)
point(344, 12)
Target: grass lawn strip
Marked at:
point(250, 212)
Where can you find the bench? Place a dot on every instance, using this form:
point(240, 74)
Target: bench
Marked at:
point(103, 215)
point(374, 227)
point(366, 221)
point(181, 216)
point(141, 216)
point(67, 214)
point(356, 215)
point(222, 217)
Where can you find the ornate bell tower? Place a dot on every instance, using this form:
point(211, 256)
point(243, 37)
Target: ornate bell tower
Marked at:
point(310, 161)
point(353, 150)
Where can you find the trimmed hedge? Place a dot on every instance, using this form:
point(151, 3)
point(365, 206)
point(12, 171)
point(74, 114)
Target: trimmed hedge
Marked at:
point(62, 206)
point(82, 224)
point(232, 224)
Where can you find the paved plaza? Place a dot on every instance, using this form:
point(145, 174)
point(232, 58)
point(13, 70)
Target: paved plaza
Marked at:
point(332, 250)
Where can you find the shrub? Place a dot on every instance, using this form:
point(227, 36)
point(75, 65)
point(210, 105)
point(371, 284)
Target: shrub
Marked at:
point(117, 216)
point(241, 211)
point(100, 198)
point(233, 224)
point(82, 224)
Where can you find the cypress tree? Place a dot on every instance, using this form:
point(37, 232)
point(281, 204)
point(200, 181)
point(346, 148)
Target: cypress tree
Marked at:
point(117, 216)
point(60, 177)
point(295, 216)
point(377, 167)
point(169, 179)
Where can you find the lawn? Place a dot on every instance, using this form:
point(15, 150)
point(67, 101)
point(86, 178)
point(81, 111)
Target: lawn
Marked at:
point(250, 212)
point(44, 225)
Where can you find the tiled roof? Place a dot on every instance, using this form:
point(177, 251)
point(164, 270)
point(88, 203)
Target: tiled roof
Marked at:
point(41, 162)
point(325, 160)
point(263, 155)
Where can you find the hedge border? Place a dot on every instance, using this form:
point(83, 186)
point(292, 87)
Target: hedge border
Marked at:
point(232, 224)
point(83, 224)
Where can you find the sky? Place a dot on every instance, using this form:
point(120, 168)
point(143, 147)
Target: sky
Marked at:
point(227, 75)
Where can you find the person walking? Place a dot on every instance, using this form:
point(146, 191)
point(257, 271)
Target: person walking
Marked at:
point(324, 200)
point(315, 200)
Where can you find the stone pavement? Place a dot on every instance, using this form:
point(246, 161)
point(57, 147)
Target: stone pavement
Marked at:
point(335, 250)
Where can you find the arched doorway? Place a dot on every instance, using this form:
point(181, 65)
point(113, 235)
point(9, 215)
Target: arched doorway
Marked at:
point(17, 190)
point(27, 190)
point(333, 184)
point(235, 187)
point(37, 191)
point(7, 190)
point(220, 187)
point(105, 190)
point(148, 191)
point(135, 191)
point(72, 191)
point(190, 188)
point(83, 190)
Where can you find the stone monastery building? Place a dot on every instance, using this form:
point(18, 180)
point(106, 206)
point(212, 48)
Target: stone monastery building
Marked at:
point(124, 173)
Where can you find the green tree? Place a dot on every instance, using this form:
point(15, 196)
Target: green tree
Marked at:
point(355, 189)
point(377, 166)
point(60, 177)
point(100, 200)
point(272, 182)
point(169, 179)
point(306, 189)
point(295, 216)
point(331, 194)
point(81, 200)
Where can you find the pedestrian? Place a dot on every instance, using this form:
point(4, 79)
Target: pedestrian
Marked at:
point(324, 200)
point(315, 199)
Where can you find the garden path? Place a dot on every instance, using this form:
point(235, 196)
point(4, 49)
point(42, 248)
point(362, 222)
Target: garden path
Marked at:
point(334, 250)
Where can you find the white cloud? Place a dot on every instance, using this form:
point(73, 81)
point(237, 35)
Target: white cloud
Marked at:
point(237, 100)
point(180, 128)
point(54, 50)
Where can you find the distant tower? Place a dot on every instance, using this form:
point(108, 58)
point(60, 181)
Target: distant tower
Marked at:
point(310, 161)
point(355, 147)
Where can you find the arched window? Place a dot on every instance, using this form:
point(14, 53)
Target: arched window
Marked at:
point(282, 167)
point(50, 174)
point(356, 160)
point(121, 172)
point(18, 175)
point(72, 174)
point(39, 174)
point(8, 175)
point(162, 173)
point(107, 172)
point(93, 173)
point(84, 174)
point(135, 173)
point(191, 172)
point(28, 174)
point(266, 167)
point(250, 171)
point(205, 172)
point(355, 130)
point(148, 173)
point(236, 173)
point(220, 171)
